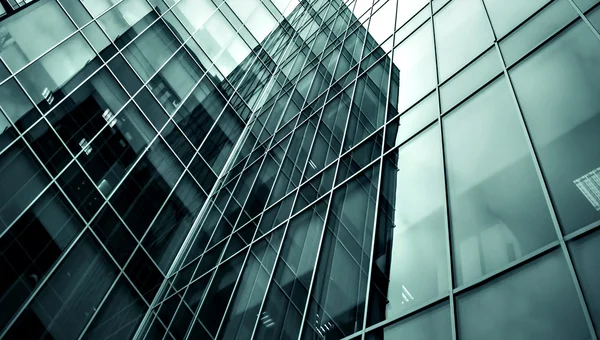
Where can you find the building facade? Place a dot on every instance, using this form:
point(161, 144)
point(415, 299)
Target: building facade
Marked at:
point(284, 169)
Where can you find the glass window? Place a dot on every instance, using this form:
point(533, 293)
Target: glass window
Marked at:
point(507, 14)
point(175, 80)
point(120, 314)
point(115, 149)
point(22, 179)
point(80, 190)
point(214, 306)
point(381, 25)
point(48, 79)
point(594, 17)
point(415, 119)
point(31, 32)
point(431, 324)
point(468, 80)
point(498, 213)
point(244, 306)
point(536, 301)
point(95, 104)
point(415, 59)
point(31, 246)
point(64, 305)
point(123, 16)
point(557, 88)
point(17, 107)
point(173, 223)
point(8, 133)
point(151, 49)
point(288, 291)
point(114, 234)
point(462, 31)
point(144, 274)
point(48, 147)
point(410, 260)
point(140, 196)
point(407, 9)
point(549, 20)
point(221, 139)
point(336, 306)
point(585, 252)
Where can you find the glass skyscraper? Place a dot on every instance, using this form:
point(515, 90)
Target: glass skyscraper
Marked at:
point(286, 169)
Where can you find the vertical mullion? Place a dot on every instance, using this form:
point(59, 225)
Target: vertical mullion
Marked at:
point(450, 263)
point(542, 179)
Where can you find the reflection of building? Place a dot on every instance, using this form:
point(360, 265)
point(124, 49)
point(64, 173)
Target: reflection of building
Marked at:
point(298, 170)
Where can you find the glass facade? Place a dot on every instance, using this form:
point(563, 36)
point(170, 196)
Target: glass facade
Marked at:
point(299, 169)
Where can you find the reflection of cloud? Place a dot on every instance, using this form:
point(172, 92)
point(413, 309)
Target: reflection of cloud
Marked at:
point(589, 185)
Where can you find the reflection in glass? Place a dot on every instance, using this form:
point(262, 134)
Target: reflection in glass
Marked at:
point(561, 111)
point(585, 253)
point(336, 306)
point(462, 31)
point(431, 324)
point(410, 260)
point(536, 301)
point(498, 213)
point(415, 64)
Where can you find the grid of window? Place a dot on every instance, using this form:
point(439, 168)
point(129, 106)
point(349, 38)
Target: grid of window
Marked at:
point(373, 169)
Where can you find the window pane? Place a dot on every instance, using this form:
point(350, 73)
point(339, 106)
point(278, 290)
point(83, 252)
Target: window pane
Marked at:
point(534, 31)
point(31, 246)
point(22, 179)
point(120, 314)
point(416, 63)
point(537, 301)
point(506, 14)
point(498, 212)
point(336, 306)
point(557, 88)
point(410, 261)
point(32, 32)
point(586, 252)
point(63, 306)
point(432, 324)
point(461, 31)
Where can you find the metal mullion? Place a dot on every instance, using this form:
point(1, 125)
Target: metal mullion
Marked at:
point(527, 20)
point(585, 19)
point(215, 269)
point(173, 316)
point(53, 178)
point(271, 276)
point(43, 281)
point(589, 229)
point(542, 42)
point(196, 225)
point(62, 256)
point(321, 110)
point(546, 192)
point(242, 270)
point(380, 181)
point(287, 221)
point(121, 275)
point(511, 267)
point(412, 312)
point(78, 30)
point(448, 231)
point(289, 143)
point(171, 193)
point(329, 209)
